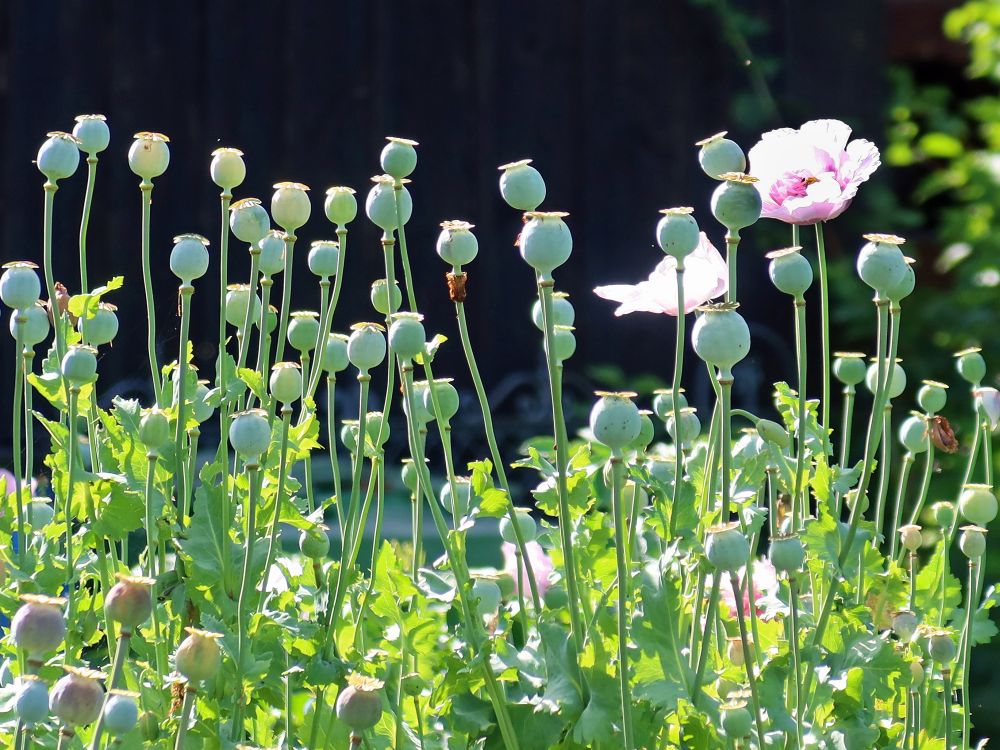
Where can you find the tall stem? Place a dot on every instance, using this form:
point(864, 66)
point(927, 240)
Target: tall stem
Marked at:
point(675, 391)
point(824, 301)
point(793, 640)
point(897, 513)
point(147, 198)
point(883, 472)
point(74, 394)
point(186, 707)
point(324, 329)
point(748, 662)
point(732, 246)
point(247, 329)
point(253, 471)
point(50, 284)
point(19, 388)
point(800, 463)
point(725, 444)
point(225, 198)
point(967, 651)
point(286, 298)
point(624, 582)
point(286, 417)
point(113, 682)
point(180, 429)
point(88, 199)
point(331, 439)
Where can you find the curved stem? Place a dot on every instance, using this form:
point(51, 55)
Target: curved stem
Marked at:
point(147, 196)
point(88, 199)
point(897, 514)
point(324, 330)
point(50, 284)
point(624, 581)
point(884, 472)
point(286, 417)
point(225, 198)
point(286, 299)
point(699, 675)
point(967, 652)
point(247, 328)
point(397, 189)
point(264, 349)
point(331, 439)
point(180, 430)
point(675, 390)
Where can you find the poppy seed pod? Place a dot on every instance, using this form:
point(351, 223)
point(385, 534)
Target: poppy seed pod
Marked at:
point(79, 365)
point(910, 537)
point(380, 206)
point(130, 601)
point(896, 381)
point(913, 434)
point(677, 232)
point(100, 328)
point(546, 242)
point(726, 547)
point(457, 245)
point(359, 705)
point(737, 721)
point(40, 512)
point(59, 156)
point(521, 185)
point(978, 504)
point(121, 712)
point(149, 726)
point(881, 264)
point(349, 434)
point(20, 286)
point(380, 296)
point(944, 513)
point(189, 257)
point(286, 382)
point(149, 155)
point(290, 205)
point(421, 415)
point(341, 205)
point(154, 429)
point(904, 624)
point(615, 419)
point(447, 398)
point(787, 553)
point(526, 525)
point(407, 335)
point(366, 346)
point(663, 402)
point(849, 367)
point(38, 626)
point(719, 155)
point(250, 433)
point(238, 298)
point(303, 328)
point(736, 203)
point(335, 357)
point(272, 252)
point(31, 325)
point(324, 258)
point(92, 133)
point(932, 396)
point(898, 292)
point(646, 430)
point(314, 543)
point(78, 696)
point(563, 313)
point(399, 157)
point(690, 427)
point(32, 701)
point(487, 595)
point(228, 169)
point(973, 541)
point(198, 657)
point(563, 343)
point(409, 474)
point(790, 273)
point(462, 497)
point(248, 220)
point(202, 408)
point(971, 365)
point(721, 336)
point(941, 646)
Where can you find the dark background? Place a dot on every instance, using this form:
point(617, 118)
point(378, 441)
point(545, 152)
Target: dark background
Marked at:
point(608, 97)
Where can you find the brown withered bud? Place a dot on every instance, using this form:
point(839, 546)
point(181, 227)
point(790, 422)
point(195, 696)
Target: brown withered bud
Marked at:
point(456, 286)
point(62, 302)
point(942, 435)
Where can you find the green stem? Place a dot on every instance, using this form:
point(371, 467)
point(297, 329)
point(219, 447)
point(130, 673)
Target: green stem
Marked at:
point(20, 392)
point(320, 703)
point(748, 661)
point(186, 708)
point(331, 439)
point(397, 189)
point(793, 640)
point(264, 350)
point(152, 543)
point(88, 199)
point(732, 246)
point(331, 308)
point(180, 430)
point(147, 198)
point(883, 473)
point(74, 394)
point(946, 697)
point(824, 301)
point(800, 463)
point(50, 284)
point(253, 470)
point(286, 417)
point(675, 390)
point(286, 299)
point(225, 198)
point(966, 654)
point(113, 682)
point(725, 444)
point(248, 317)
point(624, 582)
point(845, 436)
point(699, 675)
point(897, 514)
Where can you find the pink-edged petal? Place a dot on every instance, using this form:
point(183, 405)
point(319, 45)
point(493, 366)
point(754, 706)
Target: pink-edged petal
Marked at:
point(829, 135)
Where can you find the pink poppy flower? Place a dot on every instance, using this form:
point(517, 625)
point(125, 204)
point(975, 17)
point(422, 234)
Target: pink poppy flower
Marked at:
point(811, 174)
point(765, 587)
point(705, 277)
point(541, 566)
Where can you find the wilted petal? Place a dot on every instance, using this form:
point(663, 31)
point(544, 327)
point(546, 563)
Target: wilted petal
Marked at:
point(990, 400)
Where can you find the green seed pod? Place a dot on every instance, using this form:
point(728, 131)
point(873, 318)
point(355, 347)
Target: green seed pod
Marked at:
point(773, 433)
point(40, 513)
point(324, 258)
point(149, 155)
point(971, 365)
point(677, 232)
point(38, 626)
point(881, 264)
point(202, 407)
point(414, 684)
point(286, 382)
point(79, 365)
point(410, 475)
point(373, 426)
point(381, 203)
point(59, 156)
point(661, 468)
point(250, 433)
point(20, 286)
point(944, 513)
point(736, 203)
point(736, 719)
point(77, 697)
point(690, 427)
point(34, 325)
point(849, 367)
point(238, 298)
point(978, 504)
point(349, 434)
point(406, 335)
point(790, 273)
point(380, 296)
point(290, 205)
point(916, 674)
point(463, 497)
point(366, 346)
point(314, 543)
point(646, 430)
point(487, 595)
point(92, 133)
point(913, 434)
point(719, 155)
point(904, 624)
point(911, 537)
point(130, 601)
point(898, 292)
point(521, 185)
point(399, 157)
point(149, 726)
point(563, 343)
point(726, 547)
point(421, 415)
point(546, 242)
point(335, 357)
point(249, 221)
point(272, 253)
point(932, 396)
point(721, 336)
point(199, 657)
point(897, 380)
point(526, 524)
point(303, 328)
point(973, 541)
point(563, 313)
point(556, 598)
point(154, 429)
point(97, 330)
point(32, 702)
point(228, 169)
point(787, 553)
point(663, 402)
point(447, 398)
point(359, 705)
point(615, 419)
point(341, 205)
point(121, 712)
point(941, 646)
point(189, 257)
point(457, 245)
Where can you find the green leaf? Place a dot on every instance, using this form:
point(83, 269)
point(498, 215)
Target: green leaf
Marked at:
point(598, 721)
point(563, 693)
point(85, 305)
